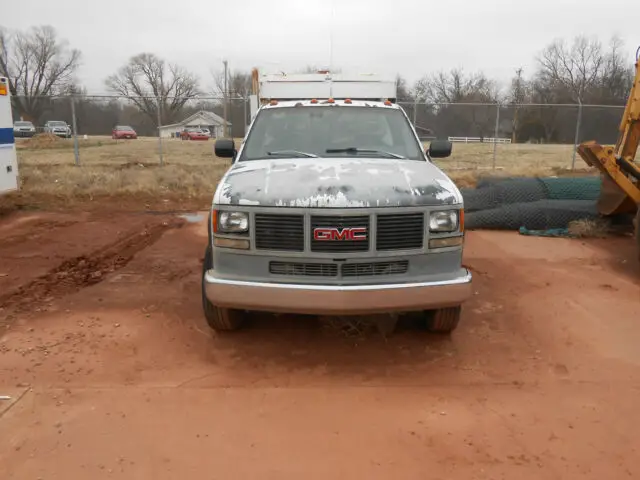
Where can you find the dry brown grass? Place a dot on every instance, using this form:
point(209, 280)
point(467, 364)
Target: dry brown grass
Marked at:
point(598, 228)
point(43, 141)
point(118, 171)
point(472, 161)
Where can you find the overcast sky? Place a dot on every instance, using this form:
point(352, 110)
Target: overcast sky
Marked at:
point(410, 37)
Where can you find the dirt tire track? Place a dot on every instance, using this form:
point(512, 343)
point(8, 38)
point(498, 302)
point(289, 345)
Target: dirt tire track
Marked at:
point(82, 271)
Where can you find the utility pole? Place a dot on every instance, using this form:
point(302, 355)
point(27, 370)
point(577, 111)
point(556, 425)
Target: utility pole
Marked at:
point(518, 98)
point(226, 125)
point(76, 150)
point(160, 132)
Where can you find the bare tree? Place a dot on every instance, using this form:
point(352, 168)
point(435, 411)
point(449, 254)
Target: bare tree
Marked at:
point(38, 65)
point(148, 81)
point(404, 93)
point(456, 86)
point(576, 68)
point(617, 74)
point(239, 84)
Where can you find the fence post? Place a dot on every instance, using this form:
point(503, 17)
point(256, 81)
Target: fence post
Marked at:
point(76, 151)
point(577, 139)
point(495, 135)
point(159, 133)
point(415, 113)
point(246, 122)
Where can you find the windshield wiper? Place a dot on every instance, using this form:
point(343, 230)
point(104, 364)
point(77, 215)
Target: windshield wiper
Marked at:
point(363, 150)
point(293, 153)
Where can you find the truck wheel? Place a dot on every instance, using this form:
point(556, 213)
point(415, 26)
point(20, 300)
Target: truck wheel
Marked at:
point(220, 319)
point(444, 320)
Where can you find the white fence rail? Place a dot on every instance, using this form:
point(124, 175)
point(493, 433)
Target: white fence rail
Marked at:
point(479, 140)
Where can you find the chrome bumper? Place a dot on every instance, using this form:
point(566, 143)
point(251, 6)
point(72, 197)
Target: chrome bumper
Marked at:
point(335, 299)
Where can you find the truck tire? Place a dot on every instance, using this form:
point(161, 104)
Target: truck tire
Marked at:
point(219, 319)
point(444, 320)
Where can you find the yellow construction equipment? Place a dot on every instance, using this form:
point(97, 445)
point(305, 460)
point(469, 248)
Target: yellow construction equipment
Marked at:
point(620, 173)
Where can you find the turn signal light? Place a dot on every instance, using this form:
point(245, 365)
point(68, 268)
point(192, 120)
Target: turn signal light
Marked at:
point(445, 242)
point(239, 243)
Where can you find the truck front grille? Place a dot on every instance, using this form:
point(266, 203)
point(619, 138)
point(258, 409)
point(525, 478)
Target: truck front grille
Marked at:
point(375, 269)
point(279, 232)
point(286, 232)
point(400, 231)
point(304, 269)
point(339, 222)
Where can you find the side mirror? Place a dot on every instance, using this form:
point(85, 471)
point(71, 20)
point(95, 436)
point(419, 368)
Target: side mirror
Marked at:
point(225, 148)
point(440, 149)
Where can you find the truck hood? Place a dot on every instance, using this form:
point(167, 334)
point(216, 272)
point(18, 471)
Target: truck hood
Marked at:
point(336, 183)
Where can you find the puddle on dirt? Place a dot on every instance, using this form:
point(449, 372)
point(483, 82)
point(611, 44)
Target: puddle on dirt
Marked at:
point(192, 217)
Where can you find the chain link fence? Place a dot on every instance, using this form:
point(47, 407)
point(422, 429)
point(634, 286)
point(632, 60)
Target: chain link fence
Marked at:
point(522, 137)
point(515, 137)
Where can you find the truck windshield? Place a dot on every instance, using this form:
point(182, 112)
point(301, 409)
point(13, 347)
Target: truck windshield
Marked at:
point(331, 131)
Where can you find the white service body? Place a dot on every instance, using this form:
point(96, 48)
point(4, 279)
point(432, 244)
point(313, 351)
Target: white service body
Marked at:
point(307, 86)
point(8, 159)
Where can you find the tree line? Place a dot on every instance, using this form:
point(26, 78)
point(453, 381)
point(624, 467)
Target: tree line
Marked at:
point(41, 66)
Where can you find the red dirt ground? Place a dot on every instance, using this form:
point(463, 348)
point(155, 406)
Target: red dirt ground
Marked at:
point(112, 372)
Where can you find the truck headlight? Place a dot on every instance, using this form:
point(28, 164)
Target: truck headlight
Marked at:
point(233, 222)
point(443, 221)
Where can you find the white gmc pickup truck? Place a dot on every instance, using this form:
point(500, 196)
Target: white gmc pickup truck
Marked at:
point(333, 207)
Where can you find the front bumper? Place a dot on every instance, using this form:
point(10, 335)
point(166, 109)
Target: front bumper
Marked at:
point(23, 133)
point(337, 299)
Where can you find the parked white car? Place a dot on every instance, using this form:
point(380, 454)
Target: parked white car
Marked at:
point(57, 127)
point(23, 129)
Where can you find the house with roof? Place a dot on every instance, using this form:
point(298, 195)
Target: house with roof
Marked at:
point(202, 119)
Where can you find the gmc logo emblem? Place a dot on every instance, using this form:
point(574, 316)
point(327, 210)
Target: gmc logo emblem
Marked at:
point(334, 233)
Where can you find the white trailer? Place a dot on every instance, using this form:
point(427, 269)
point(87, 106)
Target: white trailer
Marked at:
point(8, 160)
point(322, 85)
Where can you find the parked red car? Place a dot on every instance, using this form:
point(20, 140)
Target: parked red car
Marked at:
point(123, 131)
point(193, 134)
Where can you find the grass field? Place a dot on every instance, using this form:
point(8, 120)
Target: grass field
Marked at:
point(130, 171)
